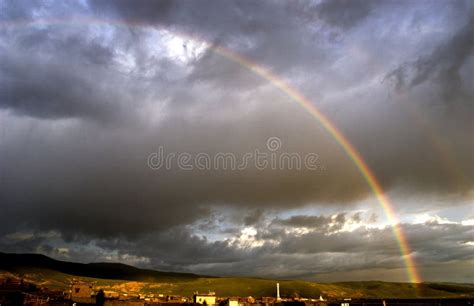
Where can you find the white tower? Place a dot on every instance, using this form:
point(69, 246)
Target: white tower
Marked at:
point(278, 292)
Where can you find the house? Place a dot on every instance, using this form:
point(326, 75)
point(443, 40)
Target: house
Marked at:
point(229, 302)
point(81, 290)
point(205, 299)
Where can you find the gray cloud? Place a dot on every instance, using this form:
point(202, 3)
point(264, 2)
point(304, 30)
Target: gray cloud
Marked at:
point(318, 222)
point(60, 94)
point(443, 65)
point(295, 255)
point(342, 13)
point(254, 217)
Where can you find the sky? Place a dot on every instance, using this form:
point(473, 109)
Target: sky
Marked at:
point(95, 94)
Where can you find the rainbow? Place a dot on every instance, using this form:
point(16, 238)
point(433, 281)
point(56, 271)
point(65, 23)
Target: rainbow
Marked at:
point(348, 148)
point(294, 95)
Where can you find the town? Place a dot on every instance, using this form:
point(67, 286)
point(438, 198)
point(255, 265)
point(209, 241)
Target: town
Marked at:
point(15, 291)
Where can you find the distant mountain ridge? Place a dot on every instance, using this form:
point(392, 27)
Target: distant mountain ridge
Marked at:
point(11, 262)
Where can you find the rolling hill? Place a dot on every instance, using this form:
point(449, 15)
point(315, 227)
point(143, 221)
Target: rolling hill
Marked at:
point(50, 273)
point(13, 262)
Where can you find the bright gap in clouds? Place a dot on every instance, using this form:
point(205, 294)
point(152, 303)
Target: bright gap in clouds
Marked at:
point(182, 50)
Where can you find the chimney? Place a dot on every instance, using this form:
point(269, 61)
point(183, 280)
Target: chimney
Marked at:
point(278, 292)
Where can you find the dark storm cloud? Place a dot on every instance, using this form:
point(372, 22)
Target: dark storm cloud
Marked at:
point(47, 91)
point(442, 66)
point(344, 13)
point(54, 73)
point(82, 176)
point(319, 223)
point(83, 106)
point(310, 221)
point(362, 248)
point(142, 10)
point(268, 32)
point(280, 36)
point(381, 242)
point(77, 184)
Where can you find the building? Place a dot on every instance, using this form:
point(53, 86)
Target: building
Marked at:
point(81, 290)
point(232, 301)
point(205, 299)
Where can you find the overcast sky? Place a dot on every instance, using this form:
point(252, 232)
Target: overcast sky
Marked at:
point(89, 90)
